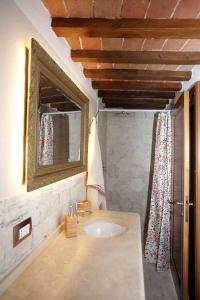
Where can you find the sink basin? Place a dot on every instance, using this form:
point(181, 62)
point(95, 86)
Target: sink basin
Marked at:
point(103, 229)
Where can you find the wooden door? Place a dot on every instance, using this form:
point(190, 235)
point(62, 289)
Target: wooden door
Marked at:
point(180, 210)
point(197, 191)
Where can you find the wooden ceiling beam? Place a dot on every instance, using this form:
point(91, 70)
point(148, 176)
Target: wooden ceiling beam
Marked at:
point(136, 94)
point(133, 74)
point(65, 107)
point(127, 28)
point(137, 85)
point(53, 100)
point(50, 92)
point(136, 106)
point(135, 100)
point(137, 57)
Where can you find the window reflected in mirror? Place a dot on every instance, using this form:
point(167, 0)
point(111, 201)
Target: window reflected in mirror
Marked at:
point(59, 125)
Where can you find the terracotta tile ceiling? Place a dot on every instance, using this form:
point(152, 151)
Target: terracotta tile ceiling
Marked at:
point(140, 9)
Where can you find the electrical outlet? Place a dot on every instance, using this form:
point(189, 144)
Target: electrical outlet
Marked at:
point(21, 231)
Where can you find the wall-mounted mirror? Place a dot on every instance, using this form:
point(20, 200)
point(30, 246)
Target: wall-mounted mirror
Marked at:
point(57, 123)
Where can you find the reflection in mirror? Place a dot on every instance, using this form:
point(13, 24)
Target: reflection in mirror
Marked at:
point(59, 125)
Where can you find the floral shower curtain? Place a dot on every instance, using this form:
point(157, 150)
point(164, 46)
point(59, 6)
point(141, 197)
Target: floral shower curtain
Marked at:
point(45, 149)
point(157, 248)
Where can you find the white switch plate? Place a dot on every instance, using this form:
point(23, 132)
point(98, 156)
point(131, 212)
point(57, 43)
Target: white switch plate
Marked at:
point(24, 231)
point(21, 231)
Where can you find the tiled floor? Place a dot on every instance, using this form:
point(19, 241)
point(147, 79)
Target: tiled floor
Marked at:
point(158, 286)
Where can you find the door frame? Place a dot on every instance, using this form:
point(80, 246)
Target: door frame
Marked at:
point(182, 290)
point(186, 194)
point(197, 191)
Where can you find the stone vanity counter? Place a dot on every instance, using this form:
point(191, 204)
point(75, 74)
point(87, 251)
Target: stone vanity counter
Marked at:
point(87, 268)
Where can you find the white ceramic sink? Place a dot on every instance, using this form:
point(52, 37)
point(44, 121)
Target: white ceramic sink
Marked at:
point(103, 229)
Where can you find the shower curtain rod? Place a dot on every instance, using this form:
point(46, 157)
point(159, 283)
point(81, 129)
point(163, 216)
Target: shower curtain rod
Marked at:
point(132, 110)
point(60, 112)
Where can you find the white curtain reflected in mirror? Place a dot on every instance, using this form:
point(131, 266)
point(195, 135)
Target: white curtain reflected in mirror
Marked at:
point(59, 126)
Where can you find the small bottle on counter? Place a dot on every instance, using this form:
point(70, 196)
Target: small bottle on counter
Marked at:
point(71, 222)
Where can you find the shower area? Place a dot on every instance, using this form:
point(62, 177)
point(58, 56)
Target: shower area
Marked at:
point(126, 146)
point(127, 141)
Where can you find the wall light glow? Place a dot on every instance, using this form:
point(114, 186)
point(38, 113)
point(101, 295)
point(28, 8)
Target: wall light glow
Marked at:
point(17, 116)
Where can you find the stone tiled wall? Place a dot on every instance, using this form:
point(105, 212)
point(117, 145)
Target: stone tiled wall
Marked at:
point(127, 160)
point(46, 207)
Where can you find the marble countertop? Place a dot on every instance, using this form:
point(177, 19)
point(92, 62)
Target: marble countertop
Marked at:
point(86, 268)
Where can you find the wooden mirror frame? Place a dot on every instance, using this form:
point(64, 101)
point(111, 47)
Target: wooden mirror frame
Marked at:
point(38, 176)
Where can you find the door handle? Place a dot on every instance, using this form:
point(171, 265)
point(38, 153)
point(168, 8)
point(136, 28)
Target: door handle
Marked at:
point(180, 203)
point(175, 203)
point(170, 202)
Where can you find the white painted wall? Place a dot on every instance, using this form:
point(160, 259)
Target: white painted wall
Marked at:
point(188, 84)
point(16, 32)
point(20, 21)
